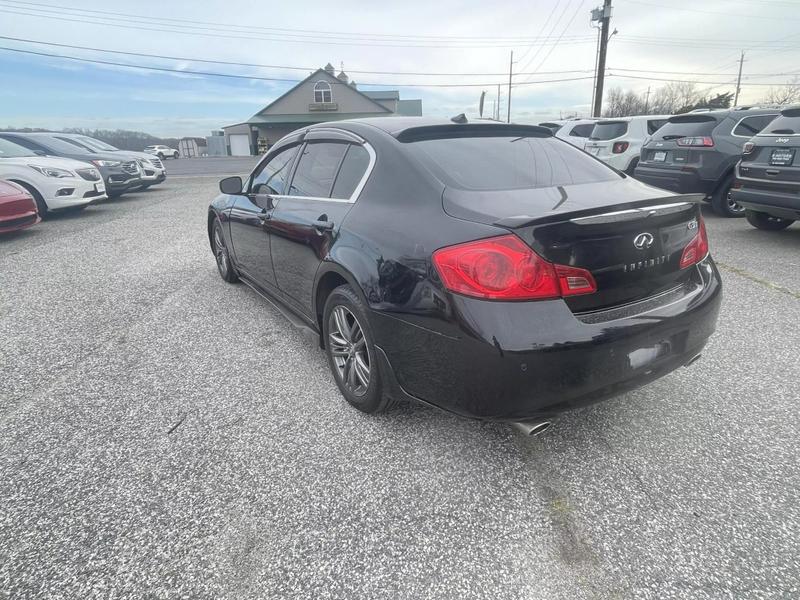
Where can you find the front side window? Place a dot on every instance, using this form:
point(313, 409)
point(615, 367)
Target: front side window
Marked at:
point(274, 175)
point(77, 144)
point(322, 92)
point(317, 169)
point(750, 126)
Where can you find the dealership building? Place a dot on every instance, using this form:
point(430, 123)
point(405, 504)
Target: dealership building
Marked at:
point(322, 96)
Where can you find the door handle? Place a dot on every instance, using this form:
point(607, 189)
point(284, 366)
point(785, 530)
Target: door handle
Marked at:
point(264, 216)
point(773, 171)
point(322, 225)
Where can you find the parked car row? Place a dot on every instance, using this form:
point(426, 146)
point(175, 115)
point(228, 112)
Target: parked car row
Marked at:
point(61, 171)
point(742, 159)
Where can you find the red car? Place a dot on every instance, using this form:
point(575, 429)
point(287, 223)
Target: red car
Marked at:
point(17, 208)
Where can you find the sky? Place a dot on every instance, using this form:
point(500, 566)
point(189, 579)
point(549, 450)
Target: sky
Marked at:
point(415, 47)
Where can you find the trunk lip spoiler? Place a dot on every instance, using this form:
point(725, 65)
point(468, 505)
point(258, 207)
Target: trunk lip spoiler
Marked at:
point(645, 208)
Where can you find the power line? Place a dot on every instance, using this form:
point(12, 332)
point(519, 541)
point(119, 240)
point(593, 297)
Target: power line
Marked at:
point(261, 78)
point(563, 31)
point(266, 66)
point(292, 31)
point(216, 33)
point(715, 83)
point(547, 36)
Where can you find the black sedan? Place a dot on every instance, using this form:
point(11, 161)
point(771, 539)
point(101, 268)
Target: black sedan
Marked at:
point(487, 269)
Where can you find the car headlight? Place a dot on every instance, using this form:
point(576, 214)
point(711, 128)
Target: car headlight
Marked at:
point(52, 171)
point(107, 163)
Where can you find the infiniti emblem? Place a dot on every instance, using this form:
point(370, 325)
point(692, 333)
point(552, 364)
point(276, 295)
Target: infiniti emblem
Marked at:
point(643, 241)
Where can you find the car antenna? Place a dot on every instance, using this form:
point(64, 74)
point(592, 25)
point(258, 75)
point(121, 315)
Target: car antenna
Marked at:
point(462, 118)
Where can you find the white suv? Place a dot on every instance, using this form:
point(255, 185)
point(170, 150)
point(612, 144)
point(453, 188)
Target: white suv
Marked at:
point(574, 131)
point(162, 152)
point(55, 183)
point(618, 142)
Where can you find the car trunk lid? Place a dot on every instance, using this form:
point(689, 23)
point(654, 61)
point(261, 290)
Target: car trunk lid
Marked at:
point(632, 244)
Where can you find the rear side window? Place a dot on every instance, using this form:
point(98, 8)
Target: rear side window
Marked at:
point(654, 125)
point(504, 163)
point(583, 131)
point(609, 130)
point(694, 125)
point(76, 143)
point(317, 169)
point(750, 126)
point(274, 176)
point(783, 125)
point(554, 127)
point(353, 167)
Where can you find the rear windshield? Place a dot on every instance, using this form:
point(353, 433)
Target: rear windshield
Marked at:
point(679, 127)
point(609, 130)
point(57, 145)
point(783, 125)
point(583, 131)
point(654, 125)
point(509, 162)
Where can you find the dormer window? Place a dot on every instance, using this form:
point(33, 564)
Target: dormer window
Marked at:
point(322, 92)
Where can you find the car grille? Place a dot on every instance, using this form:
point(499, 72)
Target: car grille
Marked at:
point(130, 167)
point(157, 163)
point(89, 174)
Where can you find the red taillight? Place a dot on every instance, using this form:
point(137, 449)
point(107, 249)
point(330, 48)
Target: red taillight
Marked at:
point(697, 249)
point(696, 141)
point(619, 147)
point(748, 147)
point(504, 268)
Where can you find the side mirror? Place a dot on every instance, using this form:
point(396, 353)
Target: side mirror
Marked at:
point(231, 185)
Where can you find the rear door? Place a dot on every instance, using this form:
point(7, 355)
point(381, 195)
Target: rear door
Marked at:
point(326, 182)
point(250, 213)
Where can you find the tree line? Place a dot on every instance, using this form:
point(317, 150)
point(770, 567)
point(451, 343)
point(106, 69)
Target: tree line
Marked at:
point(681, 97)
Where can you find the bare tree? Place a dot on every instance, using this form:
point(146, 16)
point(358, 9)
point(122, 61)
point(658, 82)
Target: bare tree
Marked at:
point(623, 104)
point(786, 94)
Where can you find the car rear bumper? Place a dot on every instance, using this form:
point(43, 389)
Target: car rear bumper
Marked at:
point(682, 180)
point(777, 201)
point(510, 361)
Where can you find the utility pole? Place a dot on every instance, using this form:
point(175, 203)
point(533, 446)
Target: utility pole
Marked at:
point(497, 113)
point(510, 74)
point(647, 100)
point(605, 19)
point(738, 81)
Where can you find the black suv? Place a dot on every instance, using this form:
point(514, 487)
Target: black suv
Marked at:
point(697, 152)
point(768, 176)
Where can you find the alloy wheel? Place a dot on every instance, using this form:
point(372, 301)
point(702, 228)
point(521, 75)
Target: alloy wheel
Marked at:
point(734, 206)
point(221, 253)
point(348, 349)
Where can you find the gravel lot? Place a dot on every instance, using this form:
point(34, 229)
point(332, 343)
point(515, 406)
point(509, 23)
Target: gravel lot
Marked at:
point(166, 435)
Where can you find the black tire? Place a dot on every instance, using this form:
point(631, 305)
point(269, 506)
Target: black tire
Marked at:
point(112, 195)
point(174, 155)
point(345, 359)
point(766, 222)
point(632, 167)
point(161, 156)
point(722, 202)
point(221, 254)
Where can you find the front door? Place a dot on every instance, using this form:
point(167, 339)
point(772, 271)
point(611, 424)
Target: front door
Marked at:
point(306, 220)
point(251, 212)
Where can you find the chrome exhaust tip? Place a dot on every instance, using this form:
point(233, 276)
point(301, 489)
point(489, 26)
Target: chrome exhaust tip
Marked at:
point(692, 360)
point(531, 428)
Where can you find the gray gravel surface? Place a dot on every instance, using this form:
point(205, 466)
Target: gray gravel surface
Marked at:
point(222, 165)
point(166, 435)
